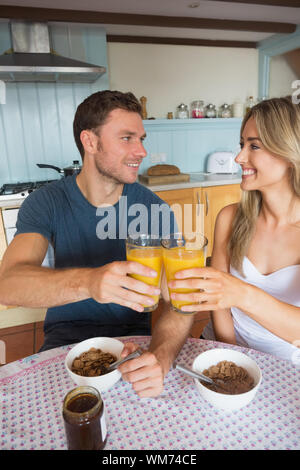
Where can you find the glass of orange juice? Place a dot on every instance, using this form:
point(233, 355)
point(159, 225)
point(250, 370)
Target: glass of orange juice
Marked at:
point(146, 250)
point(183, 251)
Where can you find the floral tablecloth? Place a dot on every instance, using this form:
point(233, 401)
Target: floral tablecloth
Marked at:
point(32, 392)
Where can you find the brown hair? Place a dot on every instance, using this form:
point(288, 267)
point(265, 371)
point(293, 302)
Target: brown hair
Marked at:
point(278, 126)
point(94, 110)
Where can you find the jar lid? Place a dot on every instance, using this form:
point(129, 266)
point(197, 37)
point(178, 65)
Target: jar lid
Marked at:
point(182, 106)
point(198, 103)
point(224, 106)
point(210, 106)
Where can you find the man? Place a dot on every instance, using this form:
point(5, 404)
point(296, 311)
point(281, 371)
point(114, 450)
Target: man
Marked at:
point(89, 293)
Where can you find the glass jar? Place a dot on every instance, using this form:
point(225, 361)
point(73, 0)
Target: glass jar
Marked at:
point(225, 111)
point(84, 419)
point(182, 111)
point(210, 111)
point(197, 109)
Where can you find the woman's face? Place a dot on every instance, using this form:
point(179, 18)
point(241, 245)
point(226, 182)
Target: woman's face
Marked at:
point(260, 168)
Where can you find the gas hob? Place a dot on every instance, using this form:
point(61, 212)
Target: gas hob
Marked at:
point(13, 191)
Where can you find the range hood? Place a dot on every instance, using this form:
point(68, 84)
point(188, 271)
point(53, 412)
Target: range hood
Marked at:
point(31, 59)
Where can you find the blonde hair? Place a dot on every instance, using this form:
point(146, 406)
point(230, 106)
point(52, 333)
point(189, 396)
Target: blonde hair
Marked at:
point(278, 126)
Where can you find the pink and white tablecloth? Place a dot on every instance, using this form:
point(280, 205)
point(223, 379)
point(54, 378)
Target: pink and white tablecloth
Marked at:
point(32, 392)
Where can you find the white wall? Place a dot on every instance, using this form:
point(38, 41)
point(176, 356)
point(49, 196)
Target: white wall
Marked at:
point(281, 77)
point(169, 75)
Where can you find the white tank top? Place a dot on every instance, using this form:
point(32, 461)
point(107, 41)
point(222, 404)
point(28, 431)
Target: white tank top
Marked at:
point(284, 285)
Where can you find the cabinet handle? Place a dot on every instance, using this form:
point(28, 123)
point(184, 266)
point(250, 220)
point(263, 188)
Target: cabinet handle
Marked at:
point(198, 203)
point(206, 203)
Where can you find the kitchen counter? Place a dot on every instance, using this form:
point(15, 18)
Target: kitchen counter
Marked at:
point(15, 316)
point(10, 203)
point(198, 180)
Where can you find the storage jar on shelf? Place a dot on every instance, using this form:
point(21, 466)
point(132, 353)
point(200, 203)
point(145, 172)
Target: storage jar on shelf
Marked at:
point(182, 111)
point(210, 111)
point(197, 109)
point(225, 111)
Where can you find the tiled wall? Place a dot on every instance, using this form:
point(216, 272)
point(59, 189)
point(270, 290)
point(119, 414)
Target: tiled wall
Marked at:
point(188, 142)
point(36, 121)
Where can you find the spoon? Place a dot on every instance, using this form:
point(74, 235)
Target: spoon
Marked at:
point(197, 375)
point(116, 364)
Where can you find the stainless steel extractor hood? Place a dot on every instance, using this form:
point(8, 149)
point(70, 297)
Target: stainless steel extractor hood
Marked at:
point(31, 59)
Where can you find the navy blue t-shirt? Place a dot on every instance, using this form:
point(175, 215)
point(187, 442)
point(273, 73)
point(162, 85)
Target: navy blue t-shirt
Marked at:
point(83, 235)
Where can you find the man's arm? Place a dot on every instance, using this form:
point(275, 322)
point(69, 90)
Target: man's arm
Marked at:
point(147, 372)
point(24, 282)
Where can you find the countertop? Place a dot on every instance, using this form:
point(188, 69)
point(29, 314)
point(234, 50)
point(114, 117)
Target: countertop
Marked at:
point(12, 203)
point(197, 180)
point(15, 316)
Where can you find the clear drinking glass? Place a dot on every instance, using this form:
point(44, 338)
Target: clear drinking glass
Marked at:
point(183, 251)
point(146, 250)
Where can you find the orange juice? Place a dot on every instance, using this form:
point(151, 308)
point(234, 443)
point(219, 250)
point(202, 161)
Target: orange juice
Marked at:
point(176, 259)
point(151, 257)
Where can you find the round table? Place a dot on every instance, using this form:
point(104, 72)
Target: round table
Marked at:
point(32, 391)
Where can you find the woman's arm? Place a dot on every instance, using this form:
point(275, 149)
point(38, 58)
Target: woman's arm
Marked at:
point(223, 291)
point(221, 317)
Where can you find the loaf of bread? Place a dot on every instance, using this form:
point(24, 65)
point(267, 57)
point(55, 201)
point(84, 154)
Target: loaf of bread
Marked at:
point(163, 169)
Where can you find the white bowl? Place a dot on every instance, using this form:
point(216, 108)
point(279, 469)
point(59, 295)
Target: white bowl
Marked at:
point(221, 400)
point(102, 382)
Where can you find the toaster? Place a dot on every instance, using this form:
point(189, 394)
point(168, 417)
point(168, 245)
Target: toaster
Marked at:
point(222, 162)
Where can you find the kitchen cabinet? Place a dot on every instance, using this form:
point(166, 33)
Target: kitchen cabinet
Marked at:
point(20, 341)
point(184, 205)
point(213, 199)
point(205, 204)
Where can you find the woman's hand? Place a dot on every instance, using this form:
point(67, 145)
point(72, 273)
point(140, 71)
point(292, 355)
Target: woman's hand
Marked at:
point(215, 289)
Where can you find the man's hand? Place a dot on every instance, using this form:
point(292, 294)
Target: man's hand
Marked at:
point(144, 372)
point(111, 283)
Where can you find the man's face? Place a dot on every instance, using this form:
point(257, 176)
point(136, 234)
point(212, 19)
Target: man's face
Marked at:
point(120, 146)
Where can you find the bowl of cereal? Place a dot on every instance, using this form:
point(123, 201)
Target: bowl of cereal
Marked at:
point(239, 373)
point(87, 361)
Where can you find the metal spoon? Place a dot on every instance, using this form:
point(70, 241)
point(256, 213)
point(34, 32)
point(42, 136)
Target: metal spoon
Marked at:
point(116, 364)
point(197, 375)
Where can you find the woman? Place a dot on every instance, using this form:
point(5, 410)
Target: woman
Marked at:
point(253, 286)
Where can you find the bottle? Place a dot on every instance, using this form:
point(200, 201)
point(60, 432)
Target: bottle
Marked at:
point(84, 419)
point(143, 101)
point(249, 104)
